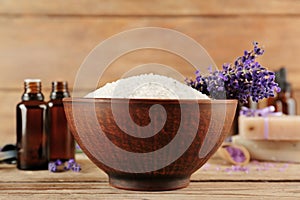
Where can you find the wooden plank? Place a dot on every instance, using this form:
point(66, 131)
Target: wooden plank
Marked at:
point(206, 183)
point(218, 170)
point(144, 7)
point(215, 171)
point(207, 190)
point(89, 173)
point(7, 116)
point(54, 48)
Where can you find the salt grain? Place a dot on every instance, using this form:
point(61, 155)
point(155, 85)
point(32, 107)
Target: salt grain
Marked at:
point(147, 86)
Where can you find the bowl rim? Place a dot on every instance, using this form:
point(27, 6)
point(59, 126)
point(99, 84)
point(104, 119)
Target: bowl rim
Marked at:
point(143, 100)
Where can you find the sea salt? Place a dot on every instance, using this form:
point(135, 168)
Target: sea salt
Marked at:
point(147, 86)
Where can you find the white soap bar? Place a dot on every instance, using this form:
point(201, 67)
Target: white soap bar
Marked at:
point(266, 150)
point(270, 128)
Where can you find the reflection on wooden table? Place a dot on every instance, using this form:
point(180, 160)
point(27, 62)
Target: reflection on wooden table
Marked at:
point(215, 180)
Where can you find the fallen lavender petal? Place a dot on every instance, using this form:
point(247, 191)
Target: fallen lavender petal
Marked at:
point(76, 168)
point(236, 154)
point(58, 162)
point(66, 166)
point(52, 167)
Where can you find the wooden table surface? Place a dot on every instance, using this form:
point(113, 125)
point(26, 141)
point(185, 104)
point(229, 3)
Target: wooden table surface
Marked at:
point(215, 180)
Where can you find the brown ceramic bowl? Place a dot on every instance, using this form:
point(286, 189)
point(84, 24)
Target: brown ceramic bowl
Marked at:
point(149, 144)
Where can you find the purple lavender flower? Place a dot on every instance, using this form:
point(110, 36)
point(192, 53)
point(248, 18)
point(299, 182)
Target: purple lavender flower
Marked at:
point(72, 165)
point(76, 168)
point(236, 154)
point(58, 165)
point(69, 164)
point(58, 162)
point(52, 167)
point(241, 80)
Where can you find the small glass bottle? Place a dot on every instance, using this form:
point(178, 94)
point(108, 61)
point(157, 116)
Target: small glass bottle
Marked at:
point(32, 148)
point(61, 140)
point(285, 101)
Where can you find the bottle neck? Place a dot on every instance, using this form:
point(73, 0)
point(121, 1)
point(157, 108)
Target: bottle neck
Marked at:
point(59, 90)
point(32, 90)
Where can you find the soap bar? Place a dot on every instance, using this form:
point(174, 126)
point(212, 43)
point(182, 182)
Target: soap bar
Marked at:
point(267, 150)
point(270, 128)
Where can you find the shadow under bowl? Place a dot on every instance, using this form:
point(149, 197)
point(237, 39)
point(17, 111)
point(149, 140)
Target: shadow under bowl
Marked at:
point(149, 144)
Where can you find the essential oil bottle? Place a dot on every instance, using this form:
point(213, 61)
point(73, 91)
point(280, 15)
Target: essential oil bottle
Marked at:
point(32, 148)
point(61, 140)
point(283, 101)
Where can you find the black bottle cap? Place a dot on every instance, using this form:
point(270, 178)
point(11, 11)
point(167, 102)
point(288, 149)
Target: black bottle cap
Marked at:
point(59, 90)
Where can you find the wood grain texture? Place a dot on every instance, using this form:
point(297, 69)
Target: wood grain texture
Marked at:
point(258, 172)
point(50, 39)
point(208, 183)
point(149, 8)
point(54, 48)
point(196, 191)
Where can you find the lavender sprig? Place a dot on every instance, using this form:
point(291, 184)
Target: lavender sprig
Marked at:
point(241, 80)
point(52, 167)
point(72, 165)
point(58, 165)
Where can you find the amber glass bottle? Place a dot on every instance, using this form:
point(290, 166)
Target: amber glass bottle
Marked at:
point(283, 101)
point(32, 149)
point(61, 141)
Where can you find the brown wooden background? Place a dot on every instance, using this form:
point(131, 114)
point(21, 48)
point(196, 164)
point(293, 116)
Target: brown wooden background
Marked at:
point(50, 39)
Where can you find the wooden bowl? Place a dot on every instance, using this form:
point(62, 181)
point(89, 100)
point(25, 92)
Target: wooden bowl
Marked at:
point(149, 144)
